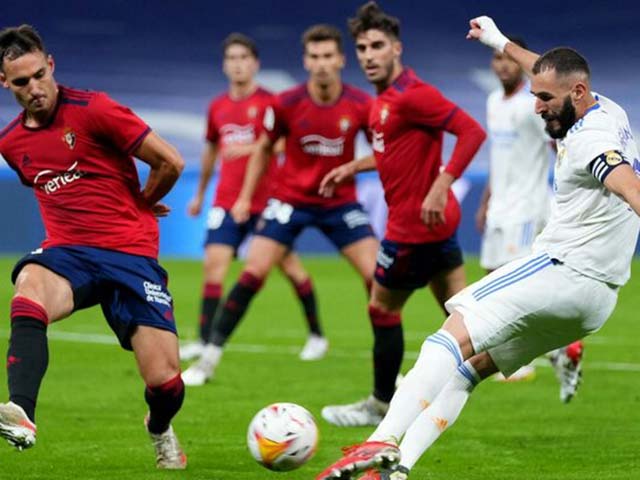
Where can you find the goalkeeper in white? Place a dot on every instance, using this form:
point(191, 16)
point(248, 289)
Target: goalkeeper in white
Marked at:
point(564, 291)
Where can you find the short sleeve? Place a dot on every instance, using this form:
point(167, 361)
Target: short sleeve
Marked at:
point(589, 138)
point(117, 124)
point(212, 134)
point(425, 105)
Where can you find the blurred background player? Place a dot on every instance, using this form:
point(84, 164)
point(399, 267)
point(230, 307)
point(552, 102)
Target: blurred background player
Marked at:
point(319, 120)
point(567, 289)
point(234, 125)
point(74, 148)
point(420, 247)
point(516, 200)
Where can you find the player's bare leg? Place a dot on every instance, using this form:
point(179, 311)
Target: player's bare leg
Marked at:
point(41, 297)
point(263, 255)
point(446, 284)
point(362, 256)
point(385, 307)
point(156, 353)
point(316, 345)
point(217, 259)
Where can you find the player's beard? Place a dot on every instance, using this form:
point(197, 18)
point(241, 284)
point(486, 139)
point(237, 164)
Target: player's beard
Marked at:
point(566, 118)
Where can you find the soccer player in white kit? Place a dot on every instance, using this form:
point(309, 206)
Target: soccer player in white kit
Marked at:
point(515, 203)
point(564, 291)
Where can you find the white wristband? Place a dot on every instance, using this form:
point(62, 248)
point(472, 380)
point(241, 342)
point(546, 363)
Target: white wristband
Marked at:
point(491, 35)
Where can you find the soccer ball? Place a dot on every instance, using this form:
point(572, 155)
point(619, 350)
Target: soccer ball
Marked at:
point(282, 436)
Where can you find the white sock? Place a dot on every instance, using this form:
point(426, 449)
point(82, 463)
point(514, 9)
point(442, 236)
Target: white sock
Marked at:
point(439, 357)
point(440, 415)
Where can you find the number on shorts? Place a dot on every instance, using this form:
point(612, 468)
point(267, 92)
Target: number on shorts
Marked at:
point(215, 218)
point(277, 210)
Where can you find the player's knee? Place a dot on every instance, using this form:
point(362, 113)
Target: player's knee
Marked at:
point(251, 279)
point(25, 308)
point(381, 317)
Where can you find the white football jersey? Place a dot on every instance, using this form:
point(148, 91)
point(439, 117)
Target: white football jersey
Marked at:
point(591, 229)
point(519, 160)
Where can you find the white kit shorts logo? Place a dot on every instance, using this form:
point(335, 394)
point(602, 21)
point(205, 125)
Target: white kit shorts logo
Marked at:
point(57, 180)
point(322, 146)
point(242, 134)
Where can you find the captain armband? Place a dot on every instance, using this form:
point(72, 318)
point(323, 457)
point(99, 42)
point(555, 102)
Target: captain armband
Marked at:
point(601, 166)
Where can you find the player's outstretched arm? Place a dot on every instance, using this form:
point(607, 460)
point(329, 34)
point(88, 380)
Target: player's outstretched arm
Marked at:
point(166, 165)
point(485, 31)
point(624, 182)
point(256, 167)
point(343, 173)
point(207, 162)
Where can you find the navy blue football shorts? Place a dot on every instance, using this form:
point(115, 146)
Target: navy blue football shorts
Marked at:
point(409, 266)
point(223, 229)
point(342, 225)
point(131, 289)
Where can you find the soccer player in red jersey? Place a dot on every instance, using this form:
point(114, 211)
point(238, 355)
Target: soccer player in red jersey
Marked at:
point(74, 148)
point(234, 124)
point(319, 120)
point(407, 122)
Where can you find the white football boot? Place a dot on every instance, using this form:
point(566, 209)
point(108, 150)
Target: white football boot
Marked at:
point(191, 350)
point(169, 455)
point(315, 348)
point(567, 362)
point(202, 371)
point(368, 412)
point(15, 426)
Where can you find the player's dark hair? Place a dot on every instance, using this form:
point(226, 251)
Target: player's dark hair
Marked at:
point(517, 40)
point(237, 38)
point(371, 17)
point(563, 60)
point(321, 33)
point(18, 41)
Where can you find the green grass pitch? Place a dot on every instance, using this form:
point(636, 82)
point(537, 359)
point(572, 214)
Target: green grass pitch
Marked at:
point(91, 406)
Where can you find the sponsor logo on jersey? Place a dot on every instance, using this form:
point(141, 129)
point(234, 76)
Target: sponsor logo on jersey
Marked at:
point(322, 146)
point(69, 138)
point(344, 124)
point(377, 142)
point(57, 180)
point(242, 134)
point(384, 114)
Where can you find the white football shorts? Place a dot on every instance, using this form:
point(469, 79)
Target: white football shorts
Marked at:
point(530, 307)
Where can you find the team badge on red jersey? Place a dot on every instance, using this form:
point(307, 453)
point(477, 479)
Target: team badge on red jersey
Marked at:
point(69, 138)
point(384, 114)
point(344, 124)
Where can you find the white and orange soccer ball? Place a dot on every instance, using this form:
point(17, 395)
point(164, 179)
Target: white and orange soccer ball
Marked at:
point(282, 436)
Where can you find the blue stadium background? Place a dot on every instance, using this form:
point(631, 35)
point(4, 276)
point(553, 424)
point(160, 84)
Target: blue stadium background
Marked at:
point(162, 58)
